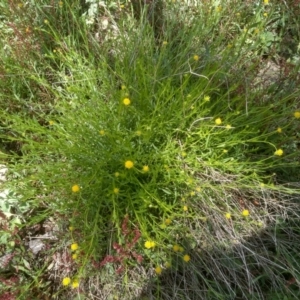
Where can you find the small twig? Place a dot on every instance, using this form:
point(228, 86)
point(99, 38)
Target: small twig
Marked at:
point(201, 119)
point(44, 237)
point(199, 75)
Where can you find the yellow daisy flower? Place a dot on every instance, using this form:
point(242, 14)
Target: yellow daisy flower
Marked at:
point(278, 152)
point(75, 188)
point(228, 216)
point(245, 213)
point(186, 258)
point(74, 246)
point(149, 244)
point(168, 221)
point(218, 121)
point(196, 57)
point(128, 164)
point(126, 101)
point(75, 284)
point(176, 248)
point(297, 114)
point(145, 169)
point(158, 270)
point(66, 281)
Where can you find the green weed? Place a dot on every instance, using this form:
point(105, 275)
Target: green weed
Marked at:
point(163, 159)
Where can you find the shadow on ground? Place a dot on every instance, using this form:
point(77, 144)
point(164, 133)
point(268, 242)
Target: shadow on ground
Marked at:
point(263, 266)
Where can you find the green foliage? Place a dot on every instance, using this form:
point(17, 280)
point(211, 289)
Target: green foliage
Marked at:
point(165, 153)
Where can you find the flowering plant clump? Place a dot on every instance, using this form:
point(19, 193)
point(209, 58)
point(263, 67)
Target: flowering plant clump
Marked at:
point(176, 128)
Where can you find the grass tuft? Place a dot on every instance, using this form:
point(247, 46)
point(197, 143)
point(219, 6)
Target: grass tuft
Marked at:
point(152, 158)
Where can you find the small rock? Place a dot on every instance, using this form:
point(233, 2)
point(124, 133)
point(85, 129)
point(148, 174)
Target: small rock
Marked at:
point(36, 245)
point(3, 172)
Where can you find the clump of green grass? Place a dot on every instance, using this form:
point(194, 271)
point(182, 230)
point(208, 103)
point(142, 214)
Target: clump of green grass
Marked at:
point(163, 160)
